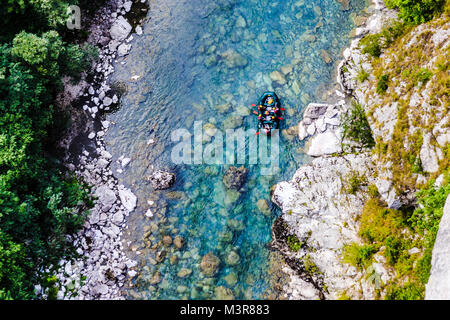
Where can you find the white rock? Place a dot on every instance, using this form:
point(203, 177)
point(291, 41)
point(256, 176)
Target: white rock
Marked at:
point(118, 218)
point(428, 155)
point(324, 144)
point(91, 135)
point(106, 196)
point(302, 133)
point(105, 124)
point(332, 121)
point(129, 200)
point(311, 129)
point(100, 288)
point(413, 251)
point(149, 213)
point(438, 286)
point(120, 29)
point(123, 49)
point(107, 101)
point(125, 162)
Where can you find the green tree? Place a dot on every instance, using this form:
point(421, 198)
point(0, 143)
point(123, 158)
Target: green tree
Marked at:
point(416, 11)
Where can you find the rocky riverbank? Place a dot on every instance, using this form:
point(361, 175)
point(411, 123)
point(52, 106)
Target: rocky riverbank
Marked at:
point(102, 269)
point(320, 215)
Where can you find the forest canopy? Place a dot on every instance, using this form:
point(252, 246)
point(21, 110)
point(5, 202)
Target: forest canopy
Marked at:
point(40, 202)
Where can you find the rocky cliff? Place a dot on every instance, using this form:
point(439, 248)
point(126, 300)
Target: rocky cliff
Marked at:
point(330, 204)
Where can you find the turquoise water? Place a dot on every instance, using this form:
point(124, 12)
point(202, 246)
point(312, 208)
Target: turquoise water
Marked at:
point(176, 74)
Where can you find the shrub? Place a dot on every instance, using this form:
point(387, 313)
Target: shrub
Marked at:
point(371, 44)
point(383, 84)
point(392, 32)
point(294, 243)
point(363, 75)
point(393, 230)
point(408, 291)
point(422, 76)
point(378, 222)
point(373, 191)
point(356, 127)
point(357, 255)
point(355, 181)
point(416, 11)
point(310, 266)
point(394, 246)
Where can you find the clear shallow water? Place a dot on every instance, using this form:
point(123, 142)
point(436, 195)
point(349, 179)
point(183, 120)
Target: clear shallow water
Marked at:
point(184, 76)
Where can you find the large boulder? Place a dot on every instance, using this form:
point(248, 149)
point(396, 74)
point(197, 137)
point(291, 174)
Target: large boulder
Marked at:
point(325, 143)
point(315, 110)
point(428, 155)
point(120, 29)
point(438, 286)
point(106, 197)
point(129, 200)
point(161, 180)
point(234, 178)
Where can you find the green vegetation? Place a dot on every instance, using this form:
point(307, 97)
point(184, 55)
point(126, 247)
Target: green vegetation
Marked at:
point(310, 266)
point(422, 76)
point(40, 203)
point(404, 238)
point(383, 84)
point(371, 45)
point(356, 128)
point(357, 255)
point(354, 182)
point(363, 75)
point(393, 233)
point(416, 11)
point(294, 243)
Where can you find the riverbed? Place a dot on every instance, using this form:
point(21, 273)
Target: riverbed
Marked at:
point(204, 61)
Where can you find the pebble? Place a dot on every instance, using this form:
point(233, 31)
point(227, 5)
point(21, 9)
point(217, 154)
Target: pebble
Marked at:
point(103, 256)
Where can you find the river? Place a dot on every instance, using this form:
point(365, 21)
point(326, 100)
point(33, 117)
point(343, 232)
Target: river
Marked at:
point(205, 62)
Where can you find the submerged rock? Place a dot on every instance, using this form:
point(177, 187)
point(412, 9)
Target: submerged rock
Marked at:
point(184, 272)
point(223, 293)
point(278, 77)
point(167, 240)
point(179, 242)
point(161, 180)
point(232, 122)
point(345, 4)
point(209, 264)
point(234, 178)
point(234, 59)
point(231, 279)
point(326, 56)
point(263, 207)
point(232, 258)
